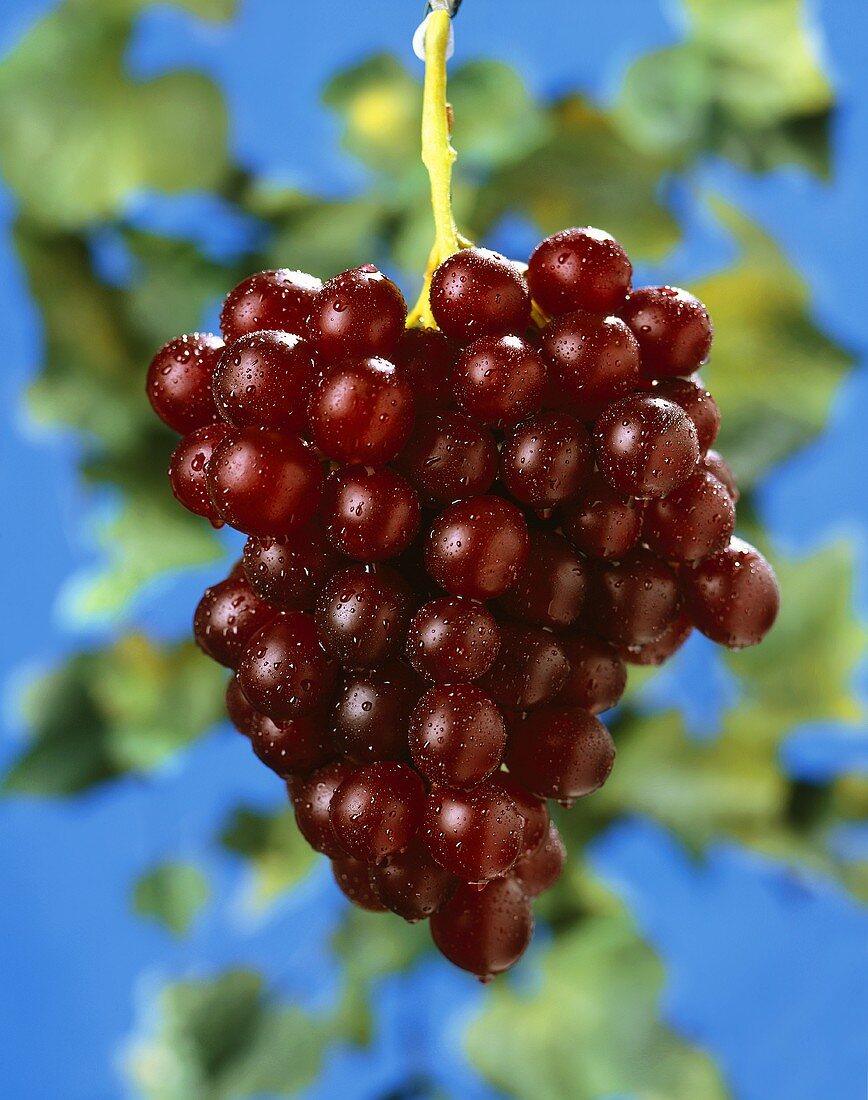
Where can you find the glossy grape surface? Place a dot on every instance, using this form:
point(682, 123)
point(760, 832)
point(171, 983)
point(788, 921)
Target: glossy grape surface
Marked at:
point(579, 269)
point(279, 299)
point(646, 446)
point(484, 931)
point(478, 293)
point(477, 548)
point(179, 381)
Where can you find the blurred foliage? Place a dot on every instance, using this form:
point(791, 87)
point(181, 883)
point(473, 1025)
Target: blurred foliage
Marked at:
point(79, 139)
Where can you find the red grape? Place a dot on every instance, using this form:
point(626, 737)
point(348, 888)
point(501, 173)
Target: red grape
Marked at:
point(449, 458)
point(560, 752)
point(262, 381)
point(188, 469)
point(693, 521)
point(179, 381)
point(426, 358)
point(540, 869)
point(369, 514)
point(673, 329)
point(499, 380)
point(697, 402)
point(601, 523)
point(227, 617)
point(311, 799)
point(457, 735)
point(716, 464)
point(372, 712)
point(484, 931)
point(547, 459)
point(632, 601)
point(534, 811)
point(284, 670)
point(597, 675)
point(295, 746)
point(242, 715)
point(289, 572)
point(451, 640)
point(662, 648)
point(476, 548)
point(412, 884)
point(354, 881)
point(478, 293)
point(377, 810)
point(476, 835)
point(362, 615)
point(550, 589)
point(356, 314)
point(646, 446)
point(733, 596)
point(579, 269)
point(531, 667)
point(269, 300)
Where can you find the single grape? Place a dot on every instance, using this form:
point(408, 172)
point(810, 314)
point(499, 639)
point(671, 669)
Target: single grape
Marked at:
point(697, 402)
point(369, 514)
point(188, 467)
point(597, 675)
point(579, 269)
point(632, 601)
point(361, 411)
point(550, 589)
point(540, 870)
point(560, 752)
point(311, 799)
point(457, 735)
point(601, 523)
point(451, 640)
point(245, 718)
point(484, 931)
point(227, 617)
point(269, 300)
point(499, 380)
point(426, 358)
point(179, 381)
point(412, 884)
point(476, 548)
point(534, 811)
point(264, 483)
point(356, 314)
point(673, 329)
point(284, 671)
point(530, 669)
point(593, 359)
point(449, 458)
point(377, 810)
point(662, 648)
point(733, 596)
point(646, 446)
point(262, 381)
point(290, 571)
point(476, 835)
point(693, 521)
point(362, 615)
point(354, 881)
point(479, 293)
point(372, 712)
point(293, 747)
point(716, 464)
point(547, 459)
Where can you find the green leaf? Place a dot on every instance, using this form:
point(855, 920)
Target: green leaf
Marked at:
point(278, 855)
point(173, 894)
point(67, 101)
point(589, 1027)
point(746, 83)
point(496, 119)
point(773, 372)
point(124, 708)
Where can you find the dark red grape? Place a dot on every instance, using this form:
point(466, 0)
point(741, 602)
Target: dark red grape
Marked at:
point(311, 798)
point(697, 402)
point(295, 746)
point(550, 589)
point(242, 715)
point(284, 671)
point(264, 483)
point(499, 380)
point(693, 521)
point(660, 650)
point(632, 601)
point(476, 548)
point(673, 329)
point(476, 835)
point(372, 712)
point(531, 667)
point(354, 881)
point(449, 458)
point(597, 676)
point(262, 381)
point(733, 596)
point(547, 459)
point(357, 313)
point(426, 358)
point(534, 811)
point(269, 300)
point(179, 381)
point(227, 617)
point(362, 615)
point(594, 359)
point(457, 735)
point(579, 269)
point(451, 640)
point(377, 810)
point(716, 464)
point(188, 468)
point(540, 869)
point(646, 446)
point(478, 293)
point(560, 752)
point(361, 411)
point(412, 884)
point(289, 572)
point(369, 514)
point(601, 523)
point(484, 931)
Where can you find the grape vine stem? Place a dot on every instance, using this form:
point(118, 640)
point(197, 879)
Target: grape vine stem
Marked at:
point(438, 156)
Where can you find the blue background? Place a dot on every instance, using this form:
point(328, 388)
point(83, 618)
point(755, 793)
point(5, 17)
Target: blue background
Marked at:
point(765, 971)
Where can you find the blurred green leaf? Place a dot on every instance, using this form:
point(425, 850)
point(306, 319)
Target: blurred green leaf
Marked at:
point(746, 83)
point(496, 119)
point(278, 855)
point(589, 1026)
point(124, 708)
point(173, 894)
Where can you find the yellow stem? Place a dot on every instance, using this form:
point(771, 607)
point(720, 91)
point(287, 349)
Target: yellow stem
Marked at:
point(438, 156)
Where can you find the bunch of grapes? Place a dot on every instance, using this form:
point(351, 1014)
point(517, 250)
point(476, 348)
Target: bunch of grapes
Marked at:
point(457, 536)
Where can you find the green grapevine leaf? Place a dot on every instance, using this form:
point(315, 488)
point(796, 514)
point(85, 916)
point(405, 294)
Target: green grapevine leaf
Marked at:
point(173, 894)
point(278, 855)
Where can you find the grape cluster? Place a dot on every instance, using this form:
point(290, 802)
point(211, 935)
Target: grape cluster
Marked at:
point(457, 536)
